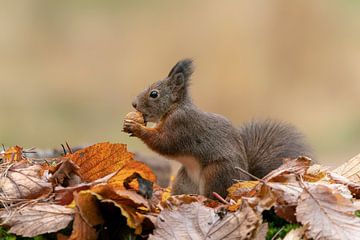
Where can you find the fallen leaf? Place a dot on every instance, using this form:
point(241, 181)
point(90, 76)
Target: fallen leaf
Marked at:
point(290, 166)
point(240, 189)
point(262, 231)
point(100, 160)
point(36, 219)
point(12, 154)
point(327, 214)
point(131, 167)
point(195, 221)
point(264, 199)
point(82, 230)
point(353, 187)
point(87, 205)
point(66, 174)
point(22, 181)
point(350, 169)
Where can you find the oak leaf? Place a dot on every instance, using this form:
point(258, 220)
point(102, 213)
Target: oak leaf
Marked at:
point(327, 214)
point(37, 219)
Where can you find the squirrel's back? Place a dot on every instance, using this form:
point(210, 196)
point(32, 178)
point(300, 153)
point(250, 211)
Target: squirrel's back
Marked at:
point(267, 142)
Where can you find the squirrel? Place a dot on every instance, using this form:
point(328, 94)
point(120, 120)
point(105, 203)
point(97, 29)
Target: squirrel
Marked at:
point(207, 145)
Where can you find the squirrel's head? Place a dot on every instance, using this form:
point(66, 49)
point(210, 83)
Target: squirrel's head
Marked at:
point(162, 96)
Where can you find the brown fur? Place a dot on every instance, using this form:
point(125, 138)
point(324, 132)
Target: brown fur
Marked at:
point(185, 133)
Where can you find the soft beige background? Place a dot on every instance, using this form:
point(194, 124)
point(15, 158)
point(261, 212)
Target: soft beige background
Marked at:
point(69, 69)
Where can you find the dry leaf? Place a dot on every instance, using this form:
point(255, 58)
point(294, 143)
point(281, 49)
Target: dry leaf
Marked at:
point(66, 174)
point(350, 169)
point(240, 189)
point(290, 166)
point(129, 169)
point(36, 219)
point(195, 221)
point(100, 160)
point(81, 230)
point(22, 181)
point(87, 204)
point(264, 199)
point(262, 231)
point(353, 187)
point(327, 214)
point(12, 154)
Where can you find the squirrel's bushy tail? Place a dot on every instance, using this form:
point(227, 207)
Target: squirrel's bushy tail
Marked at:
point(267, 142)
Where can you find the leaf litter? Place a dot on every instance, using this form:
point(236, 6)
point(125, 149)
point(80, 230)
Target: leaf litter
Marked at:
point(102, 192)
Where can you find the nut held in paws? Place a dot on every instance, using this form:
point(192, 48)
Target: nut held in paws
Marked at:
point(135, 116)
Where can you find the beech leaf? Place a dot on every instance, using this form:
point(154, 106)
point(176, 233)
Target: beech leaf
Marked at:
point(350, 169)
point(37, 219)
point(327, 214)
point(22, 181)
point(196, 221)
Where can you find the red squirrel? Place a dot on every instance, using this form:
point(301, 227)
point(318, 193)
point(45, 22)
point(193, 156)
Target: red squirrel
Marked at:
point(207, 145)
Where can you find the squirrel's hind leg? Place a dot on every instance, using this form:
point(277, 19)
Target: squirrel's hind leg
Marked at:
point(183, 184)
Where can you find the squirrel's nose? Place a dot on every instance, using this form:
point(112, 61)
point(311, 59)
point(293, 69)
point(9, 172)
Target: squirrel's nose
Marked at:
point(134, 104)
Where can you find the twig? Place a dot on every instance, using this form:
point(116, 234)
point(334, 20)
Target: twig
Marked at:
point(69, 148)
point(62, 145)
point(220, 198)
point(249, 174)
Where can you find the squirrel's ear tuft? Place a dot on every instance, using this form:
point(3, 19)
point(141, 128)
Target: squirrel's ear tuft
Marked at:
point(184, 67)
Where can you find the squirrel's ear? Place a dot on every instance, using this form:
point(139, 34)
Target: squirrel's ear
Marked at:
point(179, 75)
point(181, 72)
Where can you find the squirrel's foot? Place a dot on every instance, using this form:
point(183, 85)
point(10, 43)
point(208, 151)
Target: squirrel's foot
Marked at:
point(131, 127)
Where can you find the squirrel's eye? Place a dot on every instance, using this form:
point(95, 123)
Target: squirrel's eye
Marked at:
point(154, 94)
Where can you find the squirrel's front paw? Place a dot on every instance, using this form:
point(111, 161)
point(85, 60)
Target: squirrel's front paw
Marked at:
point(131, 126)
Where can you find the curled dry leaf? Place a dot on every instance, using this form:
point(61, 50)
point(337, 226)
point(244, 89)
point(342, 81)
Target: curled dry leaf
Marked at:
point(12, 154)
point(196, 221)
point(66, 174)
point(353, 187)
point(100, 160)
point(350, 169)
point(22, 181)
point(240, 189)
point(117, 181)
point(327, 214)
point(289, 166)
point(39, 218)
point(82, 230)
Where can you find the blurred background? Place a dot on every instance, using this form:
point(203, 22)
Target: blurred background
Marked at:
point(69, 69)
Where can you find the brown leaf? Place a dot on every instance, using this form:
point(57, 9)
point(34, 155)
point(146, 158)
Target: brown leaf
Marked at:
point(240, 189)
point(262, 231)
point(36, 219)
point(87, 204)
point(100, 160)
point(195, 221)
point(353, 187)
point(66, 174)
point(350, 169)
point(12, 154)
point(129, 169)
point(327, 214)
point(22, 181)
point(264, 199)
point(82, 230)
point(289, 166)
